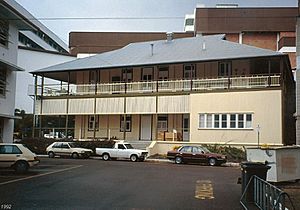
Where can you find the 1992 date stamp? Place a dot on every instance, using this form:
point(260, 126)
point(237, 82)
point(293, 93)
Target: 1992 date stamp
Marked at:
point(6, 206)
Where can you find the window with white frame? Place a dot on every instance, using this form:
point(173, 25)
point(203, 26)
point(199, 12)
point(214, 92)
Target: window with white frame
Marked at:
point(93, 121)
point(224, 69)
point(162, 122)
point(225, 120)
point(127, 123)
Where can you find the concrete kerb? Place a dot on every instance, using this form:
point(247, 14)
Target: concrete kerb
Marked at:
point(157, 160)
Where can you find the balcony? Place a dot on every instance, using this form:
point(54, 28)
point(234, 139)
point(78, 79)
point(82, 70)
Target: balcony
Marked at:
point(260, 81)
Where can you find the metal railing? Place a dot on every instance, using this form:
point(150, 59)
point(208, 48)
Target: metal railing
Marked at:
point(258, 81)
point(265, 196)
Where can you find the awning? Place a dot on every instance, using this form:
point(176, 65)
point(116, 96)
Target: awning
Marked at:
point(10, 66)
point(10, 116)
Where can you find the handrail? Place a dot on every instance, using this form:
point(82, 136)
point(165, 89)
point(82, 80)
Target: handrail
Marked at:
point(270, 202)
point(256, 81)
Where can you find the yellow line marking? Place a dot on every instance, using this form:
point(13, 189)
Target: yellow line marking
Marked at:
point(204, 190)
point(39, 175)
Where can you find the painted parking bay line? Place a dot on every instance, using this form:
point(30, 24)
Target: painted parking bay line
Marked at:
point(39, 175)
point(204, 190)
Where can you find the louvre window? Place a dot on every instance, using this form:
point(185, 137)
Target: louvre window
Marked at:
point(3, 32)
point(2, 82)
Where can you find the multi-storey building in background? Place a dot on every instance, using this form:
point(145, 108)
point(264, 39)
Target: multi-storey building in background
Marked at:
point(268, 27)
point(198, 89)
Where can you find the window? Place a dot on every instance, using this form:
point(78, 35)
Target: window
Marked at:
point(127, 74)
point(197, 150)
point(189, 71)
point(162, 122)
point(2, 82)
point(201, 121)
point(248, 121)
point(209, 121)
point(232, 121)
point(93, 120)
point(163, 73)
point(57, 145)
point(186, 149)
point(4, 32)
point(189, 22)
point(121, 146)
point(217, 121)
point(240, 121)
point(226, 121)
point(93, 77)
point(224, 69)
point(9, 149)
point(127, 125)
point(65, 146)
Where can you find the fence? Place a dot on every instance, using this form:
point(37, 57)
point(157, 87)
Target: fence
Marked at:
point(265, 196)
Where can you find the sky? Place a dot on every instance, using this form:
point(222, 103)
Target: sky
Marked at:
point(168, 14)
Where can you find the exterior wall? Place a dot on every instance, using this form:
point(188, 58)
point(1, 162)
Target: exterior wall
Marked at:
point(24, 79)
point(266, 107)
point(112, 123)
point(7, 104)
point(99, 42)
point(266, 40)
point(236, 20)
point(203, 70)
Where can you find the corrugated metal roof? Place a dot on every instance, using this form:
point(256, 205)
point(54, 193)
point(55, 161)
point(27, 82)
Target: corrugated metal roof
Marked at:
point(194, 49)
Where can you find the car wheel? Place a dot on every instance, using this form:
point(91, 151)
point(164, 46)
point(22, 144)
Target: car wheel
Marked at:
point(178, 160)
point(21, 167)
point(212, 161)
point(105, 157)
point(133, 158)
point(51, 154)
point(75, 155)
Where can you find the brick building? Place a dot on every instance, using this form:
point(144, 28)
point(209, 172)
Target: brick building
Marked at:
point(269, 27)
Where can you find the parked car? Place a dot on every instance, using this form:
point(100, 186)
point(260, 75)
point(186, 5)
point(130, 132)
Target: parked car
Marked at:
point(67, 149)
point(122, 150)
point(196, 154)
point(17, 156)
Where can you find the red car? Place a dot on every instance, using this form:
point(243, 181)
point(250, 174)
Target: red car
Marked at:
point(196, 154)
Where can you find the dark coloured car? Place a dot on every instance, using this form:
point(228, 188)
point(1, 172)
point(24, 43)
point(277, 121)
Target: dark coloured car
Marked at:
point(196, 154)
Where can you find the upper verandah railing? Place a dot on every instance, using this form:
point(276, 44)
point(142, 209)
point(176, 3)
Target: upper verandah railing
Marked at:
point(259, 81)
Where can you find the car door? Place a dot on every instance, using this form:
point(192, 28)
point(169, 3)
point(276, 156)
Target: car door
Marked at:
point(56, 148)
point(198, 155)
point(186, 153)
point(9, 154)
point(65, 149)
point(122, 151)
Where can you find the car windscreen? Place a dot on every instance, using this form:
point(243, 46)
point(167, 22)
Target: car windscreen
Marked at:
point(128, 146)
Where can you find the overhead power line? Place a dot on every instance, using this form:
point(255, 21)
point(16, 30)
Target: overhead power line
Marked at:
point(100, 18)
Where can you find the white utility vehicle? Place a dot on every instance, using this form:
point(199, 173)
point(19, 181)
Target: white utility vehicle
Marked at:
point(122, 150)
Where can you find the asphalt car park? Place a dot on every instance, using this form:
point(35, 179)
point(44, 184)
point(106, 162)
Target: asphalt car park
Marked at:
point(66, 183)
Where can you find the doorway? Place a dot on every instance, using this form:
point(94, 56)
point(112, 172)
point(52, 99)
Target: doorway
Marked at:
point(146, 121)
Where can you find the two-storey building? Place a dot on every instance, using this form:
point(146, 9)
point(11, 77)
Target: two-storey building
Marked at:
point(198, 89)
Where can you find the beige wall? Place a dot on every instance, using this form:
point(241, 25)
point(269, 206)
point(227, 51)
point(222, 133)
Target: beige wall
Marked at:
point(265, 106)
point(113, 123)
